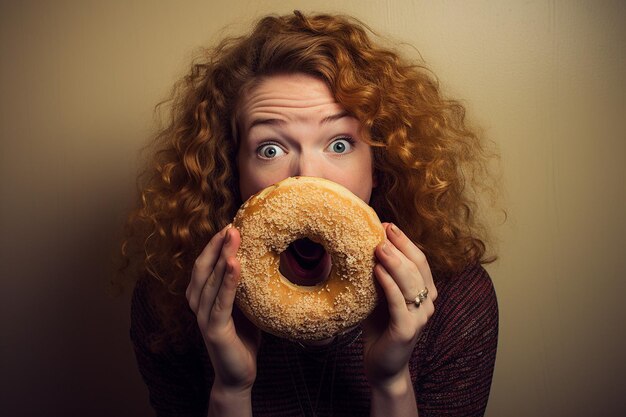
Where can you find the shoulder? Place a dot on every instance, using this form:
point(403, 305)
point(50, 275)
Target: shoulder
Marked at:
point(144, 319)
point(466, 304)
point(455, 357)
point(174, 367)
point(472, 286)
point(156, 322)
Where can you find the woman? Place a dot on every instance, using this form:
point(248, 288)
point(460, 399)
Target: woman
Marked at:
point(313, 96)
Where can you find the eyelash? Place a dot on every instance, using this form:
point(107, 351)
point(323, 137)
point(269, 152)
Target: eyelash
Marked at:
point(263, 145)
point(348, 139)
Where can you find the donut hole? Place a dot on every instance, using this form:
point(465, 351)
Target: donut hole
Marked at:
point(305, 263)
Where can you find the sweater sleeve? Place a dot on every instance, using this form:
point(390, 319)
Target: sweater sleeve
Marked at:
point(177, 380)
point(457, 368)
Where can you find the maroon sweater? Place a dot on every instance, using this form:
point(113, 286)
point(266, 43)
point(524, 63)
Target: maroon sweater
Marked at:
point(451, 367)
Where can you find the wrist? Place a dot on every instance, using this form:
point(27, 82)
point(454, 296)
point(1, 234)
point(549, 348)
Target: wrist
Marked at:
point(230, 401)
point(394, 386)
point(228, 390)
point(394, 396)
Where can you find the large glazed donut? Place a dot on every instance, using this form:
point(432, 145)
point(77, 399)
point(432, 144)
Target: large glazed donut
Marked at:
point(324, 212)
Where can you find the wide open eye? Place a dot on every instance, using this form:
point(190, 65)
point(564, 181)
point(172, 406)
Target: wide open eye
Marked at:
point(341, 145)
point(269, 151)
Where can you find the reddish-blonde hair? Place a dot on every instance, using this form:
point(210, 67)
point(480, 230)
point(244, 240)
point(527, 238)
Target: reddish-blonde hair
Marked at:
point(425, 157)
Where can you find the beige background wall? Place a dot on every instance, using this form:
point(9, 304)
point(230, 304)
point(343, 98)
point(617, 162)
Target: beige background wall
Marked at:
point(545, 80)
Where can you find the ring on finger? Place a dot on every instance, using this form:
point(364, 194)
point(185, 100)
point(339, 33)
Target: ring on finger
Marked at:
point(419, 298)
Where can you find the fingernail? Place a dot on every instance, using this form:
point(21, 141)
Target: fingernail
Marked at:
point(227, 237)
point(394, 229)
point(386, 248)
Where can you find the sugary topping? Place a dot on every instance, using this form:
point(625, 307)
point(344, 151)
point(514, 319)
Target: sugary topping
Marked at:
point(328, 214)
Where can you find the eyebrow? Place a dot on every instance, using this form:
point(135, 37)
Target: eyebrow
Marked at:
point(325, 120)
point(334, 117)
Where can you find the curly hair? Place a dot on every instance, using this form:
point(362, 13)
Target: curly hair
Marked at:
point(426, 158)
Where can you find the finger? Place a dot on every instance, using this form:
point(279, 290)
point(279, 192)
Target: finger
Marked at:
point(402, 323)
point(212, 285)
point(403, 271)
point(229, 249)
point(407, 302)
point(409, 249)
point(393, 294)
point(203, 267)
point(413, 253)
point(223, 306)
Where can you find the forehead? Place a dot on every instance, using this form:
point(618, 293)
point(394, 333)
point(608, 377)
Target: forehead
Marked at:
point(287, 96)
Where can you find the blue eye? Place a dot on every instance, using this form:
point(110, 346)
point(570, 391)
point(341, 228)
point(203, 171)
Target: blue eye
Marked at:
point(341, 145)
point(269, 151)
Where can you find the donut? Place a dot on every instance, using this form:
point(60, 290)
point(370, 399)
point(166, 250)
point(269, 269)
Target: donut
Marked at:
point(307, 259)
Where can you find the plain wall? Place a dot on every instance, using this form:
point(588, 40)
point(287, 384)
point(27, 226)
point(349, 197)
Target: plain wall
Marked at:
point(544, 80)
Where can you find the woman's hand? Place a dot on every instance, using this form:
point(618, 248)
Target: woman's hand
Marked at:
point(394, 327)
point(231, 340)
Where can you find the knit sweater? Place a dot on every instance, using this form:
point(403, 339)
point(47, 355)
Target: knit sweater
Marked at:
point(451, 366)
